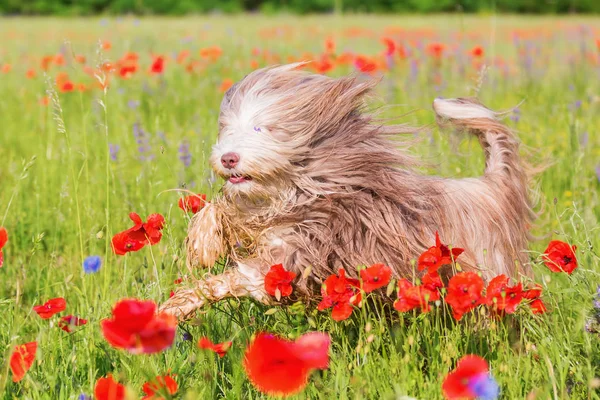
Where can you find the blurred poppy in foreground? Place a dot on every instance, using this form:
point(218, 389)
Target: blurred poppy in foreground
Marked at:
point(51, 307)
point(159, 385)
point(278, 281)
point(139, 235)
point(560, 257)
point(22, 359)
point(193, 203)
point(3, 240)
point(340, 293)
point(219, 348)
point(470, 380)
point(281, 367)
point(135, 327)
point(375, 277)
point(108, 389)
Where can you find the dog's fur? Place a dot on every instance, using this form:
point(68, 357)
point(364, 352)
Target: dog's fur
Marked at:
point(332, 188)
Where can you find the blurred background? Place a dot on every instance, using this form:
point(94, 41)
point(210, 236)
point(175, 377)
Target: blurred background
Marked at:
point(179, 7)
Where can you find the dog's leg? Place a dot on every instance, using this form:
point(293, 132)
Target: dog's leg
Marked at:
point(205, 242)
point(247, 279)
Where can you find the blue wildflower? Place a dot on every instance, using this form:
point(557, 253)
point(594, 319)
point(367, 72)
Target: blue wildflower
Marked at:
point(92, 264)
point(484, 386)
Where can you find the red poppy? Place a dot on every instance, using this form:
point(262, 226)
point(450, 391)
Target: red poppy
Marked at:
point(30, 74)
point(375, 277)
point(108, 389)
point(329, 45)
point(219, 348)
point(141, 234)
point(281, 367)
point(470, 380)
point(178, 281)
point(411, 296)
point(135, 328)
point(225, 85)
point(160, 384)
point(390, 46)
point(323, 65)
point(340, 293)
point(66, 86)
point(3, 240)
point(68, 322)
point(22, 359)
point(536, 304)
point(464, 293)
point(501, 297)
point(560, 257)
point(158, 65)
point(193, 203)
point(364, 64)
point(278, 281)
point(438, 255)
point(477, 51)
point(51, 307)
point(436, 49)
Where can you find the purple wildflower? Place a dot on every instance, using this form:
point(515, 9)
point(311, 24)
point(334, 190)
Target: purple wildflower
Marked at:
point(142, 139)
point(184, 153)
point(114, 151)
point(485, 387)
point(133, 104)
point(516, 114)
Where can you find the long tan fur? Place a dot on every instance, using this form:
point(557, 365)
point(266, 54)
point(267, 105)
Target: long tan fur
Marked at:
point(331, 188)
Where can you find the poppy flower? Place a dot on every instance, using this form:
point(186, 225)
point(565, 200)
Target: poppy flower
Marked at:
point(464, 293)
point(142, 233)
point(501, 297)
point(219, 348)
point(92, 264)
point(281, 367)
point(158, 65)
point(560, 257)
point(66, 86)
point(470, 380)
point(364, 64)
point(411, 296)
point(51, 307)
point(225, 85)
point(30, 74)
point(160, 384)
point(477, 51)
point(436, 49)
point(436, 256)
point(278, 281)
point(22, 359)
point(390, 46)
point(108, 389)
point(375, 277)
point(536, 304)
point(135, 328)
point(193, 203)
point(340, 293)
point(3, 240)
point(68, 322)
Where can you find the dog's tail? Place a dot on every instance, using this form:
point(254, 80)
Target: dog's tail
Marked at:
point(502, 162)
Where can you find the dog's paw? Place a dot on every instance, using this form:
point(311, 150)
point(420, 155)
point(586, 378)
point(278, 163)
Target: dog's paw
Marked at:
point(183, 304)
point(205, 238)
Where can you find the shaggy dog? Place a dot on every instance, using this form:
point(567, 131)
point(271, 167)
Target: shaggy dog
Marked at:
point(312, 180)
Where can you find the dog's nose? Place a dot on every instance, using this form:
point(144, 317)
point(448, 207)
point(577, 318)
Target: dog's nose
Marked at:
point(230, 160)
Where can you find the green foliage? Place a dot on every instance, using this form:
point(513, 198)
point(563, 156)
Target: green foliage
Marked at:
point(180, 7)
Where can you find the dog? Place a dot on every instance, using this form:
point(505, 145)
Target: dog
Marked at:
point(315, 182)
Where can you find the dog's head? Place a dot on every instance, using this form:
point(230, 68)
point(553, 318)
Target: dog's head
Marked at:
point(272, 123)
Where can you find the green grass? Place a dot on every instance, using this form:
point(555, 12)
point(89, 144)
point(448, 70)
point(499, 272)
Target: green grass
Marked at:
point(62, 198)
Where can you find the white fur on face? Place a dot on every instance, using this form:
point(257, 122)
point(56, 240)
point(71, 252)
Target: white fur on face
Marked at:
point(263, 155)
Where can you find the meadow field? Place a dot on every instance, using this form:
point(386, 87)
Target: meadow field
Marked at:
point(107, 116)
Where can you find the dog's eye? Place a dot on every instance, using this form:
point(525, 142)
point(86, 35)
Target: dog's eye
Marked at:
point(257, 129)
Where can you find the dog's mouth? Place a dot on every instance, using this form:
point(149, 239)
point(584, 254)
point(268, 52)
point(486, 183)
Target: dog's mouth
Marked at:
point(236, 179)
